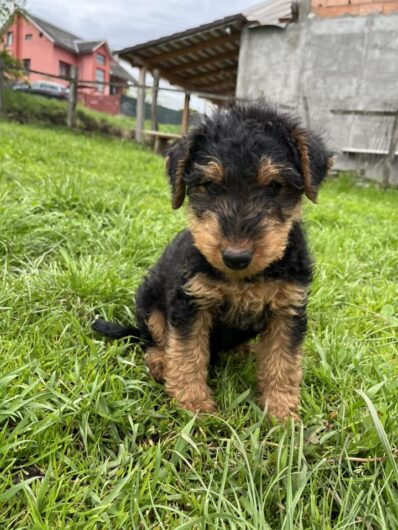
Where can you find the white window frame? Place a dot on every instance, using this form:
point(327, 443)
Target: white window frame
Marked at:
point(10, 39)
point(100, 86)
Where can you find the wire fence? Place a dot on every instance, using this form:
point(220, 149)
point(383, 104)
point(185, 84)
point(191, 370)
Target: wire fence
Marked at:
point(87, 90)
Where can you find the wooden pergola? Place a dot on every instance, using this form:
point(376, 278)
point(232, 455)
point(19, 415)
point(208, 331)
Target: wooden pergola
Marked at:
point(201, 60)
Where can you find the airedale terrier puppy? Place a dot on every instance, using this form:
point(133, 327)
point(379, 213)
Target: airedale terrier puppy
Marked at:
point(241, 270)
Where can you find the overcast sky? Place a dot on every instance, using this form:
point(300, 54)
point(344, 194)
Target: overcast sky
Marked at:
point(124, 23)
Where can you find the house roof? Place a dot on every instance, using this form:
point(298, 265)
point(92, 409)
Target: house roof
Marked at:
point(118, 71)
point(84, 46)
point(204, 59)
point(64, 39)
point(61, 38)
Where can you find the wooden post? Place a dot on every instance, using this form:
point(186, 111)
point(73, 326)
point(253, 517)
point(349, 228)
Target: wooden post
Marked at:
point(388, 161)
point(154, 109)
point(72, 99)
point(1, 87)
point(140, 118)
point(185, 114)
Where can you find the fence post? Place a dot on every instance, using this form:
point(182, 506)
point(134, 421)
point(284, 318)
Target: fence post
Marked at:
point(388, 161)
point(72, 99)
point(140, 118)
point(185, 113)
point(154, 109)
point(1, 87)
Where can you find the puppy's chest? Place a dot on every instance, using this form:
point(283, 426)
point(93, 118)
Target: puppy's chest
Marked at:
point(242, 318)
point(244, 308)
point(238, 304)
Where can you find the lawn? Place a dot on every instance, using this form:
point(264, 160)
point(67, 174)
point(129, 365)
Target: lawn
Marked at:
point(89, 441)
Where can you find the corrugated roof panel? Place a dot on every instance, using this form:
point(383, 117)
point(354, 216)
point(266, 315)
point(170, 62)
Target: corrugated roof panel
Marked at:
point(234, 22)
point(270, 13)
point(205, 58)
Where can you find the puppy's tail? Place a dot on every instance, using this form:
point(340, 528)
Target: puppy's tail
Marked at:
point(116, 331)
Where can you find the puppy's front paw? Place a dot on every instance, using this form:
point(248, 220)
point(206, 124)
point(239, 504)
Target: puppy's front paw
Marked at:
point(208, 405)
point(196, 398)
point(281, 406)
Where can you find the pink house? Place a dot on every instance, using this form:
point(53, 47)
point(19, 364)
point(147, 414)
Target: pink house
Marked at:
point(43, 47)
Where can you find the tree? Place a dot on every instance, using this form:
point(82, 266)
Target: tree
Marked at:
point(7, 8)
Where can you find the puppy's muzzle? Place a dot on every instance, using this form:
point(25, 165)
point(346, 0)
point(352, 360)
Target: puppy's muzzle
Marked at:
point(237, 259)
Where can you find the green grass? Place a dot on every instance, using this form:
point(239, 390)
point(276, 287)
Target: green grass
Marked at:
point(89, 441)
point(29, 108)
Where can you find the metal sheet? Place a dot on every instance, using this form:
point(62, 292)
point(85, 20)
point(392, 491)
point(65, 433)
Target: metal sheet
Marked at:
point(270, 13)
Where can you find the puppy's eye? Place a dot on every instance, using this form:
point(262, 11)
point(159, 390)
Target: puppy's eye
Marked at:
point(204, 187)
point(274, 186)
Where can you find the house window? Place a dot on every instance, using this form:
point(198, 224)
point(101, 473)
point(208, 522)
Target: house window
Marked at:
point(28, 36)
point(27, 64)
point(100, 59)
point(113, 90)
point(64, 69)
point(41, 35)
point(100, 78)
point(10, 38)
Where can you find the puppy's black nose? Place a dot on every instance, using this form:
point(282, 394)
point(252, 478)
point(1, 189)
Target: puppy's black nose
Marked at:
point(237, 259)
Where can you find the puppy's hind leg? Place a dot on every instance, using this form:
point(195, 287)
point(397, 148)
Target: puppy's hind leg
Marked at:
point(155, 359)
point(155, 356)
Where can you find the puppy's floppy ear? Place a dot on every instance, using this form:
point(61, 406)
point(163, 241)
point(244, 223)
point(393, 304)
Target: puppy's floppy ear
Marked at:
point(176, 160)
point(315, 160)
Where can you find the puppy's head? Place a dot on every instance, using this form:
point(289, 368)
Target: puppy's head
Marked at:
point(245, 170)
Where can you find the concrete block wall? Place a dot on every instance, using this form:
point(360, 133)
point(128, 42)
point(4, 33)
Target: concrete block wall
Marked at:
point(319, 65)
point(338, 8)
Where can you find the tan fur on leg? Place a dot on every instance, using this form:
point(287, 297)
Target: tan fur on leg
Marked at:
point(157, 326)
point(155, 361)
point(278, 370)
point(278, 365)
point(155, 357)
point(187, 359)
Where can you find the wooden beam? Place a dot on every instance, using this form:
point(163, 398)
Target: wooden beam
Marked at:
point(185, 114)
point(165, 74)
point(219, 96)
point(212, 73)
point(368, 112)
point(233, 54)
point(217, 84)
point(183, 82)
point(140, 118)
point(157, 60)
